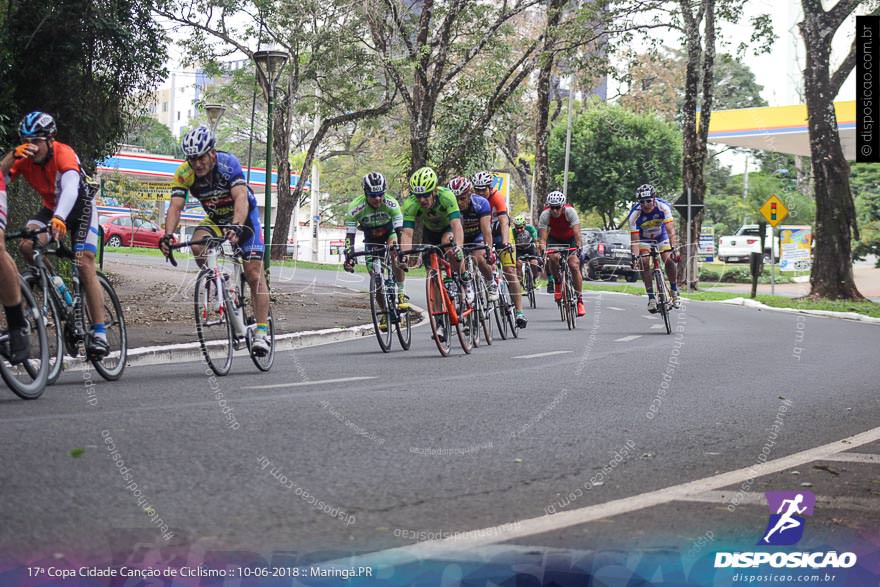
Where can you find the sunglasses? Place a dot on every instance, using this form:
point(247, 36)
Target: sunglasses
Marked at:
point(381, 195)
point(556, 207)
point(423, 196)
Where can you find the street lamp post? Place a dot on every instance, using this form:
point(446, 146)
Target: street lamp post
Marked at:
point(270, 63)
point(215, 113)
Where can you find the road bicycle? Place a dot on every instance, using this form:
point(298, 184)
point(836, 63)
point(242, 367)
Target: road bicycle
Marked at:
point(482, 306)
point(27, 379)
point(662, 293)
point(443, 306)
point(65, 310)
point(225, 320)
point(384, 298)
point(568, 304)
point(503, 307)
point(528, 278)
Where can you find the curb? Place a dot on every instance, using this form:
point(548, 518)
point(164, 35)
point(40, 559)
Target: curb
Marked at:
point(192, 351)
point(750, 303)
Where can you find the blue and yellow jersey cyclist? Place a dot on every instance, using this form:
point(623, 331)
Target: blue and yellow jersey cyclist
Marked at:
point(216, 180)
point(650, 222)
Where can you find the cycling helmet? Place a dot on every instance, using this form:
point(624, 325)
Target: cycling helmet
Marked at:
point(645, 192)
point(460, 185)
point(423, 181)
point(520, 220)
point(483, 179)
point(374, 184)
point(37, 124)
point(555, 199)
point(197, 142)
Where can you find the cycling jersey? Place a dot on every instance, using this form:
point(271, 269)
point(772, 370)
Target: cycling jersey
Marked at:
point(559, 228)
point(376, 223)
point(470, 219)
point(650, 226)
point(214, 193)
point(436, 218)
point(526, 237)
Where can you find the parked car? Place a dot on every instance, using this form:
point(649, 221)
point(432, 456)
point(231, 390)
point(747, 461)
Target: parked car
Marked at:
point(747, 240)
point(125, 231)
point(606, 254)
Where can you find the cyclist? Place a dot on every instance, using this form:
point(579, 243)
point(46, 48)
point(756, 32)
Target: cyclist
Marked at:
point(68, 204)
point(650, 222)
point(10, 294)
point(502, 235)
point(437, 208)
point(476, 217)
point(525, 235)
point(380, 218)
point(559, 225)
point(216, 180)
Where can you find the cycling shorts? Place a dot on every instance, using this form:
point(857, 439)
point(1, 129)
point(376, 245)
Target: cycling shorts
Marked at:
point(434, 237)
point(251, 243)
point(82, 224)
point(529, 250)
point(645, 245)
point(508, 257)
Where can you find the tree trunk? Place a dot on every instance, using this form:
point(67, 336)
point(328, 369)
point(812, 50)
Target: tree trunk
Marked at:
point(832, 274)
point(542, 132)
point(281, 123)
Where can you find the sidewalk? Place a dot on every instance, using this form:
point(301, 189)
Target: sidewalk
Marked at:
point(867, 279)
point(159, 307)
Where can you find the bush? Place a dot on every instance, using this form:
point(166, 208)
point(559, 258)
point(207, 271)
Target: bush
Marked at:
point(739, 275)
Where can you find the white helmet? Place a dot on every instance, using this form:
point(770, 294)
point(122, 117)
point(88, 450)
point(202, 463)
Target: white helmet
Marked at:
point(482, 180)
point(197, 142)
point(555, 199)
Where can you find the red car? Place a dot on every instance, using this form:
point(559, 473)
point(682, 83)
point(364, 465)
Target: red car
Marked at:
point(126, 231)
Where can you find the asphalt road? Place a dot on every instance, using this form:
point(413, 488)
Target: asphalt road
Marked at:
point(407, 446)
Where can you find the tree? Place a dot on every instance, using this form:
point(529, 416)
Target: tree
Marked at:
point(836, 222)
point(101, 59)
point(613, 152)
point(153, 136)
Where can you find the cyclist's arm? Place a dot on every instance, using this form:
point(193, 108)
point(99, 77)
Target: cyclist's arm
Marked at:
point(172, 217)
point(578, 237)
point(504, 224)
point(457, 231)
point(69, 193)
point(486, 228)
point(406, 237)
point(240, 198)
point(669, 221)
point(6, 165)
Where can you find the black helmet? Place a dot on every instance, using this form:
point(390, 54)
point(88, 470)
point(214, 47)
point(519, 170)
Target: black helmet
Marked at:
point(37, 125)
point(645, 192)
point(374, 183)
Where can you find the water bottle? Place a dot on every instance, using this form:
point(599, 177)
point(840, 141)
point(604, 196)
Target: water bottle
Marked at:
point(468, 284)
point(451, 286)
point(62, 290)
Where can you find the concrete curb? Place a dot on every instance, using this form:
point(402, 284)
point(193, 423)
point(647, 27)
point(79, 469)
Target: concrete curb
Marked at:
point(191, 351)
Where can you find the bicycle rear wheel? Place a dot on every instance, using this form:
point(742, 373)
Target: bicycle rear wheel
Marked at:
point(52, 319)
point(437, 314)
point(662, 299)
point(529, 279)
point(402, 325)
point(482, 307)
point(28, 379)
point(500, 310)
point(111, 366)
point(379, 312)
point(509, 308)
point(466, 323)
point(212, 324)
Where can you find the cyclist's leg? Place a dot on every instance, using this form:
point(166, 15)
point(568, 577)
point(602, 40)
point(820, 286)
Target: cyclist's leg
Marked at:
point(40, 220)
point(671, 267)
point(508, 264)
point(252, 249)
point(574, 263)
point(82, 223)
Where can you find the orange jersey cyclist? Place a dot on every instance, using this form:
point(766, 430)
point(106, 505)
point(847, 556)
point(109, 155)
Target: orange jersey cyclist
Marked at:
point(502, 234)
point(216, 180)
point(68, 205)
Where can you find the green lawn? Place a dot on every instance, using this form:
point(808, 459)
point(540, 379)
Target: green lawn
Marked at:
point(866, 308)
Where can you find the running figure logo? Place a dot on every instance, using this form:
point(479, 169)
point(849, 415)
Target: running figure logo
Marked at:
point(786, 525)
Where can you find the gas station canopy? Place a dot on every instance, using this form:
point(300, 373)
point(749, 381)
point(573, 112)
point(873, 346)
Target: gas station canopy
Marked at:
point(780, 129)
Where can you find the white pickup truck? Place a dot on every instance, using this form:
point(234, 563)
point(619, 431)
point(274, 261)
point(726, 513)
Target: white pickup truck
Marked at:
point(747, 240)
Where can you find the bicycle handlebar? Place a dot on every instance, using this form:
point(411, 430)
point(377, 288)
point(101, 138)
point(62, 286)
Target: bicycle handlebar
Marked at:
point(205, 241)
point(32, 235)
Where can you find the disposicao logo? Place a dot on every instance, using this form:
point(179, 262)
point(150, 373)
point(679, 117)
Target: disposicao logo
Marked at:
point(786, 525)
point(784, 528)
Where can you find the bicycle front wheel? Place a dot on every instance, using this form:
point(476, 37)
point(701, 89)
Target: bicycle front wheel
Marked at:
point(212, 323)
point(482, 307)
point(52, 319)
point(466, 323)
point(530, 284)
point(28, 379)
point(508, 307)
point(111, 366)
point(379, 311)
point(662, 299)
point(437, 314)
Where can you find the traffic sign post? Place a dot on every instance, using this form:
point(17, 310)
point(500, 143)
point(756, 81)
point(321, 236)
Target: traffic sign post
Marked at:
point(775, 211)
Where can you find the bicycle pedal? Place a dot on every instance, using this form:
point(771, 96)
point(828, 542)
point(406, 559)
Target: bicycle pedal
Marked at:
point(239, 343)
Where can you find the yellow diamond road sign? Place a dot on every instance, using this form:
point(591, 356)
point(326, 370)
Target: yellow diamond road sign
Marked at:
point(774, 210)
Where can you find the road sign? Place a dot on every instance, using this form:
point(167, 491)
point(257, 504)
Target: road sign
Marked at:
point(681, 206)
point(774, 210)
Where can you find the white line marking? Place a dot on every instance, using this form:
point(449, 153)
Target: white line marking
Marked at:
point(649, 317)
point(304, 383)
point(567, 519)
point(855, 457)
point(615, 308)
point(547, 354)
point(628, 338)
point(657, 326)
